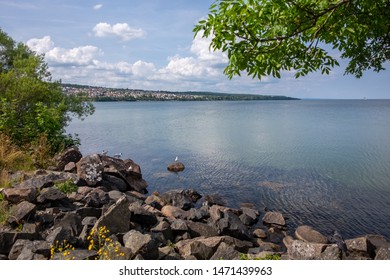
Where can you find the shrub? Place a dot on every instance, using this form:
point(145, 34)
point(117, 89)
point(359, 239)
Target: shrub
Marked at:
point(66, 187)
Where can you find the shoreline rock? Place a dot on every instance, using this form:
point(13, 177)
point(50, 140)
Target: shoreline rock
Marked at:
point(110, 199)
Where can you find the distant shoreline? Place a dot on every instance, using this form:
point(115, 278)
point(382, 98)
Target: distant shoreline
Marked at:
point(102, 94)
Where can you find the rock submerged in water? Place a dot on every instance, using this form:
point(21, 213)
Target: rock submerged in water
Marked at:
point(176, 166)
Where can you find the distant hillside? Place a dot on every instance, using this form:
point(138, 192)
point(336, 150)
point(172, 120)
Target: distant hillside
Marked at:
point(116, 94)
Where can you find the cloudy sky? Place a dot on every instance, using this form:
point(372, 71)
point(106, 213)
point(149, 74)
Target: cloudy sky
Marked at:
point(149, 44)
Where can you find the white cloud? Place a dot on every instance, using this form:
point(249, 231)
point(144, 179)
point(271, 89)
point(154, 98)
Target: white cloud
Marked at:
point(97, 6)
point(121, 30)
point(83, 55)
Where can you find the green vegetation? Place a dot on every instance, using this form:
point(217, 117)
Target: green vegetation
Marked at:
point(66, 187)
point(4, 212)
point(32, 107)
point(267, 257)
point(265, 37)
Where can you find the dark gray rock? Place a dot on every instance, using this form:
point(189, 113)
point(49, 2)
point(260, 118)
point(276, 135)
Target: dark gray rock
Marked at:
point(308, 234)
point(45, 178)
point(8, 238)
point(89, 221)
point(226, 252)
point(29, 250)
point(71, 154)
point(141, 216)
point(77, 254)
point(231, 225)
point(249, 216)
point(71, 222)
point(184, 199)
point(59, 234)
point(197, 229)
point(142, 244)
point(17, 195)
point(198, 214)
point(114, 183)
point(176, 166)
point(96, 198)
point(89, 212)
point(275, 218)
point(332, 252)
point(361, 246)
point(179, 225)
point(117, 217)
point(168, 253)
point(50, 194)
point(21, 212)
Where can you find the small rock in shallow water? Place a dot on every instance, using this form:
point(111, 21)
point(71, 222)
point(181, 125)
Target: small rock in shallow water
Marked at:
point(176, 167)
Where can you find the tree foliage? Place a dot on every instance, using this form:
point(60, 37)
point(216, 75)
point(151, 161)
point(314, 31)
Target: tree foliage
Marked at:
point(31, 105)
point(265, 37)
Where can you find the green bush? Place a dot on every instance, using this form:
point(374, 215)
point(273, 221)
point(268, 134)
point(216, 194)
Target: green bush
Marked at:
point(66, 187)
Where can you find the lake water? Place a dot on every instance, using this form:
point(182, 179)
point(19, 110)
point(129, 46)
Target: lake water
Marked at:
point(324, 163)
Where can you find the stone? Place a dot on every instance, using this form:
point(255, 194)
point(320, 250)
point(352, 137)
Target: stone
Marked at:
point(89, 212)
point(361, 245)
point(21, 212)
point(155, 201)
point(197, 229)
point(90, 169)
point(58, 235)
point(249, 216)
point(226, 252)
point(89, 221)
point(231, 225)
point(115, 195)
point(179, 225)
point(383, 254)
point(301, 250)
point(96, 198)
point(138, 185)
point(184, 199)
point(17, 195)
point(141, 216)
point(114, 183)
point(378, 241)
point(142, 244)
point(45, 179)
point(268, 246)
point(176, 167)
point(77, 254)
point(170, 211)
point(197, 249)
point(275, 218)
point(287, 241)
point(70, 167)
point(198, 214)
point(8, 238)
point(117, 217)
point(71, 222)
point(168, 253)
point(29, 250)
point(260, 233)
point(50, 194)
point(71, 154)
point(308, 234)
point(332, 252)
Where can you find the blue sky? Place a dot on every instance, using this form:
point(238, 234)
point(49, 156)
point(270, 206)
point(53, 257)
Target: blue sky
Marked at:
point(149, 44)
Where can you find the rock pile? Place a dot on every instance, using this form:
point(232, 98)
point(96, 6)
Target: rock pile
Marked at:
point(110, 197)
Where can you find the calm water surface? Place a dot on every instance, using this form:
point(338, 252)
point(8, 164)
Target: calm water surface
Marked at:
point(325, 163)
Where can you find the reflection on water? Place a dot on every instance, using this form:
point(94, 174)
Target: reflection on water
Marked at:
point(323, 163)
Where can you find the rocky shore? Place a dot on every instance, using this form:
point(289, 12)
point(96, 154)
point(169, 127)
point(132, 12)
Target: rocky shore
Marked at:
point(97, 207)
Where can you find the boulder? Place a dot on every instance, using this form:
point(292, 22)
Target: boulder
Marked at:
point(59, 234)
point(308, 234)
point(90, 169)
point(259, 233)
point(199, 229)
point(142, 244)
point(170, 211)
point(176, 166)
point(96, 198)
point(168, 253)
point(301, 250)
point(141, 216)
point(17, 195)
point(231, 225)
point(197, 249)
point(179, 225)
point(30, 250)
point(332, 252)
point(117, 217)
point(198, 214)
point(50, 194)
point(71, 154)
point(8, 238)
point(249, 216)
point(70, 167)
point(361, 245)
point(275, 218)
point(77, 254)
point(226, 252)
point(71, 222)
point(383, 254)
point(184, 199)
point(45, 178)
point(114, 183)
point(22, 211)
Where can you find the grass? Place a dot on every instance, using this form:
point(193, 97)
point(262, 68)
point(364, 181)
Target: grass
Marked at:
point(4, 212)
point(66, 187)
